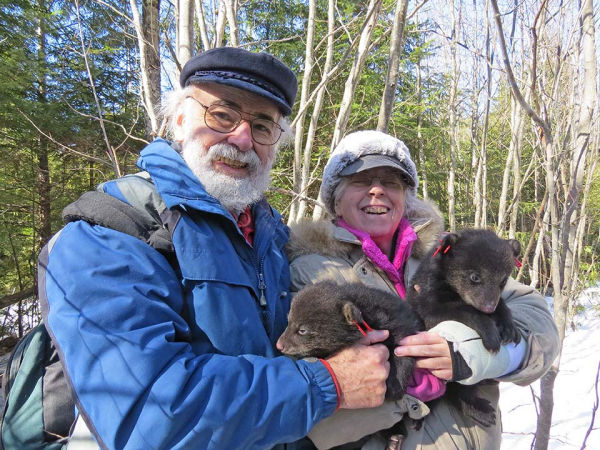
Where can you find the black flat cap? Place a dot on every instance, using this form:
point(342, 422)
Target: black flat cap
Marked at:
point(259, 73)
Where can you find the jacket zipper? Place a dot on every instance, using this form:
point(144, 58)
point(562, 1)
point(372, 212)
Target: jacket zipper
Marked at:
point(262, 287)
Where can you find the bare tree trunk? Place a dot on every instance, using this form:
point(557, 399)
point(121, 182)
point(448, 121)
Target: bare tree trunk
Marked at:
point(231, 11)
point(513, 160)
point(351, 82)
point(557, 261)
point(453, 122)
point(582, 128)
point(148, 44)
point(536, 265)
point(355, 71)
point(314, 118)
point(516, 143)
point(509, 166)
point(299, 131)
point(201, 19)
point(421, 146)
point(544, 421)
point(220, 25)
point(396, 45)
point(44, 229)
point(481, 206)
point(185, 31)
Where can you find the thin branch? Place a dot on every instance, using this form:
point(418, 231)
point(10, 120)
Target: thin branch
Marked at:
point(511, 77)
point(296, 195)
point(415, 10)
point(11, 299)
point(109, 150)
point(112, 122)
point(66, 148)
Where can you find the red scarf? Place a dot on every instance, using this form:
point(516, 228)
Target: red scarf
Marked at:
point(245, 223)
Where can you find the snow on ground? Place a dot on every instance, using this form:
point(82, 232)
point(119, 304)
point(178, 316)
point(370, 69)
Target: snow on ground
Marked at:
point(575, 392)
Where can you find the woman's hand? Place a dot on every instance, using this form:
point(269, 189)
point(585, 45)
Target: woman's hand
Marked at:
point(431, 351)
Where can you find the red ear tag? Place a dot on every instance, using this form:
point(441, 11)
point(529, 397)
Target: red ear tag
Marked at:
point(518, 263)
point(364, 333)
point(365, 324)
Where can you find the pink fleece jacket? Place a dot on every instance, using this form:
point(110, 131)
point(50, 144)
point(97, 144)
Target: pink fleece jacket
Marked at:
point(425, 386)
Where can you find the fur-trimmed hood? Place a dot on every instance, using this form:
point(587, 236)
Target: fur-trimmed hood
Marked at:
point(324, 238)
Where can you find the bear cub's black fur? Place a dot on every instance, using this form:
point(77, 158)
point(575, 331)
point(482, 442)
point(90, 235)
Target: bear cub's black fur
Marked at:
point(462, 280)
point(323, 320)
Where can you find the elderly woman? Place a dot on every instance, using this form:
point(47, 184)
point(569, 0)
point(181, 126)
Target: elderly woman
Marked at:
point(379, 231)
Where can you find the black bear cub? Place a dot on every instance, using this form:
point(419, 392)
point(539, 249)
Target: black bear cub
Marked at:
point(326, 317)
point(462, 280)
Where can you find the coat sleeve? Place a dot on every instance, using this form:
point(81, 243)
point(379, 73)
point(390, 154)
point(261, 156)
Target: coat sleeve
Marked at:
point(532, 316)
point(114, 308)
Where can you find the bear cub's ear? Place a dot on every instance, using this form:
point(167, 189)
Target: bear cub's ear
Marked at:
point(516, 246)
point(351, 313)
point(446, 242)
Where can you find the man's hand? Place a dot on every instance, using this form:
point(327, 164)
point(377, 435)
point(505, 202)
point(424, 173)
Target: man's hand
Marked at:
point(361, 371)
point(431, 351)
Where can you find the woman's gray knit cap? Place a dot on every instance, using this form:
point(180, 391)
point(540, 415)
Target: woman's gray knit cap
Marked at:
point(356, 145)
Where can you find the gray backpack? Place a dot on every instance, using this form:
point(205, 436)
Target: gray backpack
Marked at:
point(39, 408)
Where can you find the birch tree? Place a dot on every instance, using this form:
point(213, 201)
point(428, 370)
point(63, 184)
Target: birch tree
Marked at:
point(391, 80)
point(453, 115)
point(185, 31)
point(316, 112)
point(147, 33)
point(480, 189)
point(298, 173)
point(231, 12)
point(582, 126)
point(351, 82)
point(202, 27)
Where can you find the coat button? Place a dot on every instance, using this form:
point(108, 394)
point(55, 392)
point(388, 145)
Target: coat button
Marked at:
point(363, 270)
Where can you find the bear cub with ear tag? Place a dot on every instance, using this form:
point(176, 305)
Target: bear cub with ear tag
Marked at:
point(462, 280)
point(327, 317)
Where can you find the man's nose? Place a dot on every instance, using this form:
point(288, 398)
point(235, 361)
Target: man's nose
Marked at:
point(241, 137)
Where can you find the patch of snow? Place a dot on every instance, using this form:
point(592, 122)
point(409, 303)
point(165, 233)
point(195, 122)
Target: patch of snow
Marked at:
point(574, 389)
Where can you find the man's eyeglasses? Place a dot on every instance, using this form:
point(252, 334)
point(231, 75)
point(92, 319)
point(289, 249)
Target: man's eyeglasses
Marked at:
point(225, 119)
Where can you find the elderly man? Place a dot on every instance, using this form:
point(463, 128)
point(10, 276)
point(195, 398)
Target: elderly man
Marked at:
point(182, 355)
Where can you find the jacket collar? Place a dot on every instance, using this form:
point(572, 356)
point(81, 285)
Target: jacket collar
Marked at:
point(173, 179)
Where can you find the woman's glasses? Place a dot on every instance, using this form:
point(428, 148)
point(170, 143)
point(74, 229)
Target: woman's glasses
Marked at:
point(389, 181)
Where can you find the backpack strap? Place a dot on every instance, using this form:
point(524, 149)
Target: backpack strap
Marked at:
point(143, 217)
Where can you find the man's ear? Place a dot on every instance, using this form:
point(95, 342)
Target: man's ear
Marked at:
point(179, 123)
point(351, 313)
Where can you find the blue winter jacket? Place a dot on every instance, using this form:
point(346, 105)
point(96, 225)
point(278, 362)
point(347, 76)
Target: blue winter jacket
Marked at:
point(162, 360)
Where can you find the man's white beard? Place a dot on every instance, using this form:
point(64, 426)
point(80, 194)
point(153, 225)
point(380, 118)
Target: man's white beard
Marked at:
point(233, 193)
